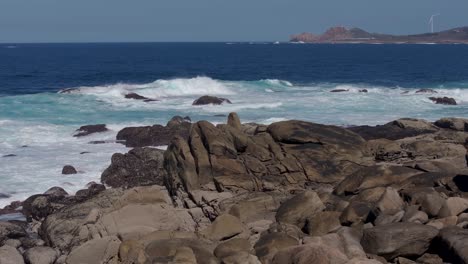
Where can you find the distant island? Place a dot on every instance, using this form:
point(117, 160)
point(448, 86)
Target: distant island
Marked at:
point(357, 35)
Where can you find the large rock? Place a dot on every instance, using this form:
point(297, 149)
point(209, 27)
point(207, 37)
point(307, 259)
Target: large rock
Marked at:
point(11, 231)
point(206, 99)
point(139, 167)
point(458, 124)
point(341, 247)
point(68, 169)
point(398, 129)
point(224, 227)
point(322, 223)
point(443, 100)
point(452, 244)
point(41, 255)
point(9, 255)
point(128, 214)
point(156, 135)
point(269, 244)
point(298, 209)
point(90, 129)
point(453, 206)
point(398, 239)
point(99, 250)
point(374, 176)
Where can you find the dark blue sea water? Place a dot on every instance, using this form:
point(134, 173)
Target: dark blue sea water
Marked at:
point(266, 83)
point(33, 68)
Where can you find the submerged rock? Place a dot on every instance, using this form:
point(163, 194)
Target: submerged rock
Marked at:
point(430, 91)
point(90, 129)
point(443, 100)
point(139, 97)
point(206, 99)
point(68, 169)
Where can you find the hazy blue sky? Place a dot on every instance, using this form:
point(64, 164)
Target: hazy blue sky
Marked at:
point(214, 20)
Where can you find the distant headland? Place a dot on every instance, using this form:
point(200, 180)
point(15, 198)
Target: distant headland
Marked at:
point(357, 35)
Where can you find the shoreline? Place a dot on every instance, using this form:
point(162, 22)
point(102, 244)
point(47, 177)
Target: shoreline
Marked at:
point(243, 186)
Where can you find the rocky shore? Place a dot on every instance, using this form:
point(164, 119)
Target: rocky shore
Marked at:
point(293, 192)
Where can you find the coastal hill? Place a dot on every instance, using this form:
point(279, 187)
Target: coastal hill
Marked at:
point(357, 35)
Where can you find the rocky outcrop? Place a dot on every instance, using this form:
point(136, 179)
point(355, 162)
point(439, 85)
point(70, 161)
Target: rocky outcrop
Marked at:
point(399, 129)
point(139, 167)
point(287, 155)
point(443, 100)
point(206, 99)
point(290, 192)
point(156, 135)
point(90, 129)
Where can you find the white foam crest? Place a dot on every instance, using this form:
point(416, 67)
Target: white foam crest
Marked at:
point(277, 82)
point(158, 89)
point(235, 107)
point(272, 120)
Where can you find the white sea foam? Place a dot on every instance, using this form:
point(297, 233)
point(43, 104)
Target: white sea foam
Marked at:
point(159, 88)
point(33, 120)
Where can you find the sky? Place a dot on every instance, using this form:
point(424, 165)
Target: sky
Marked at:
point(215, 20)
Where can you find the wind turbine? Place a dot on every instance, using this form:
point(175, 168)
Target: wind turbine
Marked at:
point(431, 22)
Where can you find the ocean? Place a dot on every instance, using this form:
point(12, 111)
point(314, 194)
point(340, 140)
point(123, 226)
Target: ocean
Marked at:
point(266, 83)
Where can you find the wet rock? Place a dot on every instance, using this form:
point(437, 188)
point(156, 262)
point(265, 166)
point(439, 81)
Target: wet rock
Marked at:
point(339, 90)
point(90, 129)
point(56, 191)
point(178, 120)
point(68, 169)
point(11, 231)
point(398, 239)
point(4, 196)
point(426, 91)
point(363, 91)
point(9, 255)
point(206, 99)
point(41, 255)
point(155, 135)
point(9, 156)
point(92, 190)
point(139, 167)
point(443, 100)
point(139, 97)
